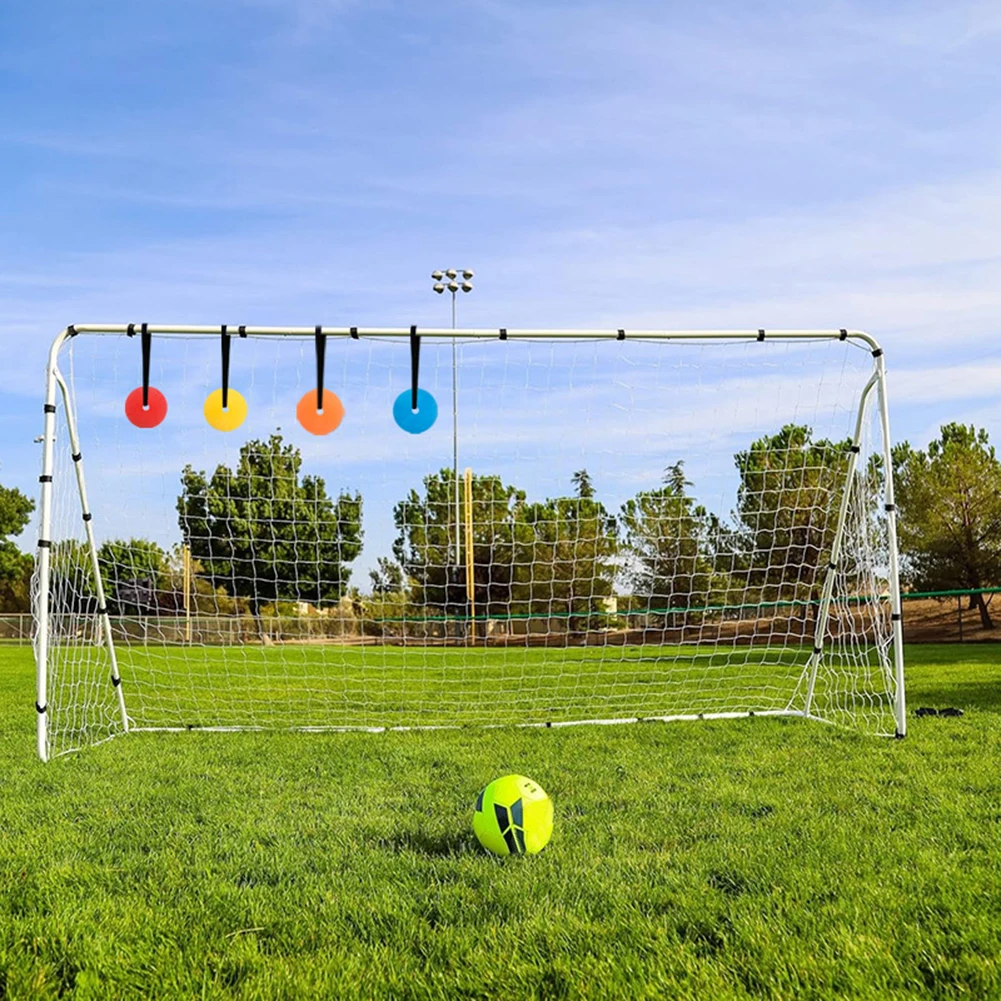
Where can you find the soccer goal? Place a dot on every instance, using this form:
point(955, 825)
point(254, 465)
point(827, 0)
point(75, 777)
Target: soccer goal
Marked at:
point(331, 528)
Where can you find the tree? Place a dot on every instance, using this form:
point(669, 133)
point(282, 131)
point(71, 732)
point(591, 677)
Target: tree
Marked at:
point(568, 558)
point(15, 588)
point(265, 532)
point(132, 573)
point(949, 499)
point(787, 507)
point(203, 598)
point(668, 537)
point(15, 566)
point(583, 485)
point(387, 578)
point(71, 578)
point(427, 550)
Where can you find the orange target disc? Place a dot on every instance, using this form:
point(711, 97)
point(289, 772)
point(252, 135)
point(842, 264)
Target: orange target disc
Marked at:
point(320, 421)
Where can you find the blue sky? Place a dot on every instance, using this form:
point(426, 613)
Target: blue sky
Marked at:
point(630, 164)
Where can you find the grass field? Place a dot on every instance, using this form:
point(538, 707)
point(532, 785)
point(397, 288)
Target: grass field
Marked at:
point(753, 858)
point(287, 686)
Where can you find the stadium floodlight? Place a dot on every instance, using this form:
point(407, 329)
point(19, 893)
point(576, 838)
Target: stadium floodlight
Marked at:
point(759, 578)
point(453, 286)
point(437, 275)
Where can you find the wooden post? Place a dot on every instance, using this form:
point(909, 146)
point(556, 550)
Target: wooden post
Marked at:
point(186, 561)
point(470, 582)
point(959, 615)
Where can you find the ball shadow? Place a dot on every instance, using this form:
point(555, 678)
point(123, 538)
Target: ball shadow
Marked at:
point(422, 843)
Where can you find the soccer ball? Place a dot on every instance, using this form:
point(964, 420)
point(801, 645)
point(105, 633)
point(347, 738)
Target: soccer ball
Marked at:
point(514, 816)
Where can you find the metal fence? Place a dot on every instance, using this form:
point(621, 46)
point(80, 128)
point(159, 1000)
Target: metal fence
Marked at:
point(15, 630)
point(940, 616)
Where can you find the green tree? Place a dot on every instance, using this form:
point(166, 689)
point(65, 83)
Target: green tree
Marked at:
point(787, 508)
point(667, 540)
point(15, 588)
point(429, 556)
point(583, 484)
point(266, 532)
point(567, 557)
point(15, 566)
point(71, 578)
point(132, 573)
point(203, 598)
point(387, 577)
point(949, 499)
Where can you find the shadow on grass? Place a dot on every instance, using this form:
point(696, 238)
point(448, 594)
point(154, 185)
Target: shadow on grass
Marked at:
point(422, 843)
point(983, 696)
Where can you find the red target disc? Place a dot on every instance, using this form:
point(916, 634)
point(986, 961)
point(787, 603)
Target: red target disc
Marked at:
point(146, 417)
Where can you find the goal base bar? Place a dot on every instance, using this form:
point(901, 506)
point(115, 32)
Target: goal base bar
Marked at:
point(674, 718)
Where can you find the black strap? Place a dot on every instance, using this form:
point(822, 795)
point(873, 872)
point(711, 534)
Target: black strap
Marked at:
point(225, 367)
point(321, 354)
point(761, 334)
point(842, 334)
point(242, 330)
point(147, 343)
point(354, 333)
point(415, 364)
point(620, 335)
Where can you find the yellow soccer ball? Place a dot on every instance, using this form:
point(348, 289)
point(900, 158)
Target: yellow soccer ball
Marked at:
point(514, 816)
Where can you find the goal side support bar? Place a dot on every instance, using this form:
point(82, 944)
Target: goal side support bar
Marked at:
point(878, 382)
point(42, 596)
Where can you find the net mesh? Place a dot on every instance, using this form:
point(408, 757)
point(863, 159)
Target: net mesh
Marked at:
point(647, 531)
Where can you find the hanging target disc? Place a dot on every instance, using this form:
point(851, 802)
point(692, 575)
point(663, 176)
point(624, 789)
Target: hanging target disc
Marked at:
point(146, 417)
point(320, 421)
point(230, 418)
point(415, 421)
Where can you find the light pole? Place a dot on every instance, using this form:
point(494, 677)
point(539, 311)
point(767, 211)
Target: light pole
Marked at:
point(454, 285)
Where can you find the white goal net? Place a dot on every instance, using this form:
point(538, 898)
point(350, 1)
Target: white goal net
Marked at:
point(644, 526)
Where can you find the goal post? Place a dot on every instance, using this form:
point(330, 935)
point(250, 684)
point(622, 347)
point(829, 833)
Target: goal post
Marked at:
point(662, 525)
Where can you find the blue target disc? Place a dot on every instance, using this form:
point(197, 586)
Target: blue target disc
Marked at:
point(419, 420)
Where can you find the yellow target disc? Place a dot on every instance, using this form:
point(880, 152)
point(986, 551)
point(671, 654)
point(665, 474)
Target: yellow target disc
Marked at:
point(230, 418)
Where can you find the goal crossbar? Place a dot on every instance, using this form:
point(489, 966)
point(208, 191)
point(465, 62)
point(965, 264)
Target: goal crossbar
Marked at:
point(485, 333)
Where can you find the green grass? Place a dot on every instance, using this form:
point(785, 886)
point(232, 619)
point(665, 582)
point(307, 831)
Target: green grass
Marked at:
point(380, 686)
point(746, 859)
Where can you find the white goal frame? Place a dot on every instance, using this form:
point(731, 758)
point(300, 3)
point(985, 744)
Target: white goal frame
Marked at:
point(56, 388)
